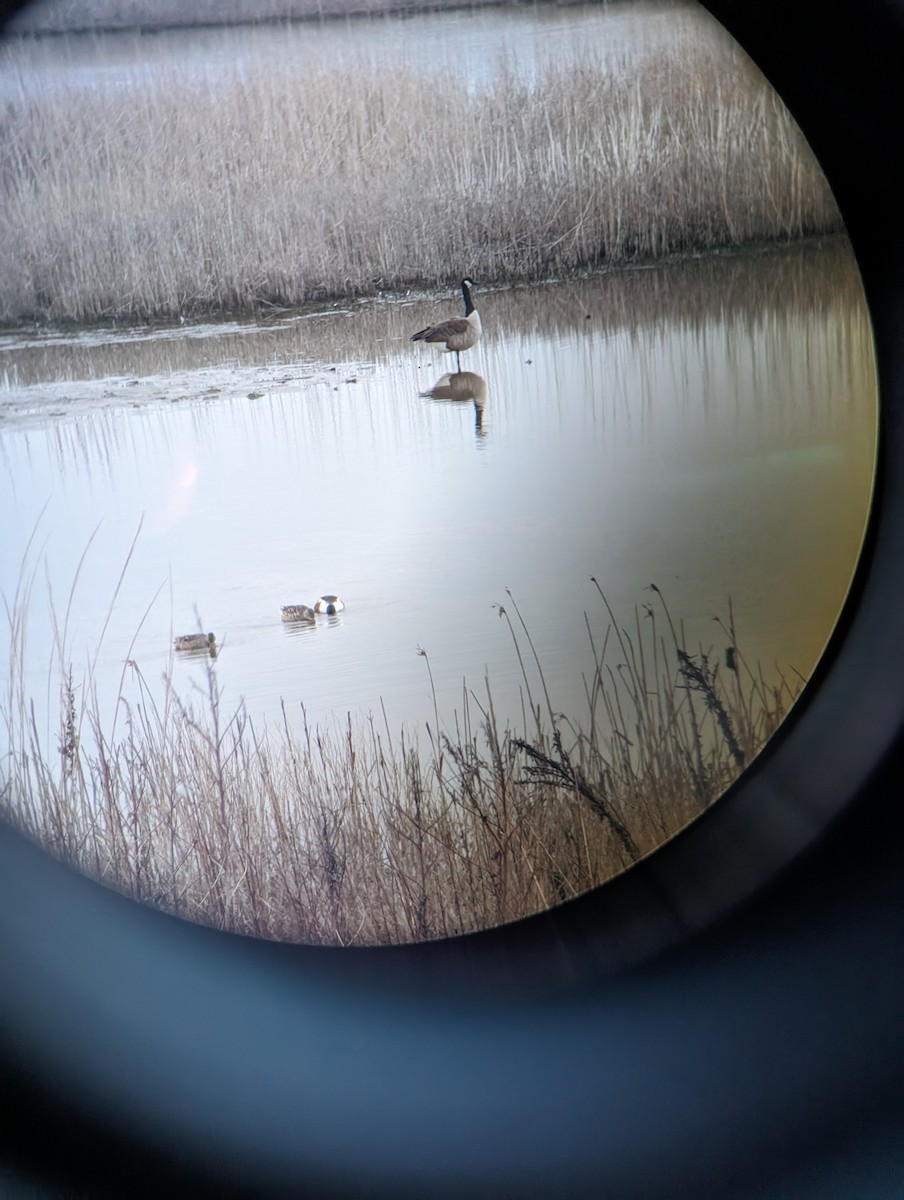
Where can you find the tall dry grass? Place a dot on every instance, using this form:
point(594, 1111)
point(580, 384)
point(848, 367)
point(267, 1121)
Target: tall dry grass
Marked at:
point(168, 197)
point(357, 836)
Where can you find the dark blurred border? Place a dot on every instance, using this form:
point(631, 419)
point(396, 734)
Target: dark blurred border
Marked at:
point(723, 1021)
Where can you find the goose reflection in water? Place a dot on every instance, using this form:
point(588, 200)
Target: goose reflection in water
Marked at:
point(460, 387)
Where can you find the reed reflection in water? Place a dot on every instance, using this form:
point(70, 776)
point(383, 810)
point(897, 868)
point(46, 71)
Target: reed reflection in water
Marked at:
point(708, 426)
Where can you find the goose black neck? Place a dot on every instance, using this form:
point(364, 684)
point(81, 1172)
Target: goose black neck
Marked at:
point(469, 303)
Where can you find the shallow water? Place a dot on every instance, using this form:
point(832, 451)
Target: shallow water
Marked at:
point(707, 426)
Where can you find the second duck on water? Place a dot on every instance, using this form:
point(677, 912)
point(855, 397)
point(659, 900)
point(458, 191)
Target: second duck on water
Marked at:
point(329, 605)
point(458, 333)
point(297, 612)
point(197, 641)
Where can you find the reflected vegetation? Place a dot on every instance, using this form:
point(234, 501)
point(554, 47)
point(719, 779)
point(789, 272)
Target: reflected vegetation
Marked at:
point(710, 425)
point(692, 294)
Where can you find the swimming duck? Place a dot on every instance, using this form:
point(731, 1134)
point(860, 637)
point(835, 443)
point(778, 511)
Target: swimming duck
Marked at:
point(197, 641)
point(329, 604)
point(297, 612)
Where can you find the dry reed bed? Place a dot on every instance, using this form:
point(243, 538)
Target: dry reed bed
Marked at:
point(167, 198)
point(353, 836)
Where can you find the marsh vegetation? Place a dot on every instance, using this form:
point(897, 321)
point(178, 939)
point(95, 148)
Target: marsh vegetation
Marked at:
point(355, 836)
point(173, 194)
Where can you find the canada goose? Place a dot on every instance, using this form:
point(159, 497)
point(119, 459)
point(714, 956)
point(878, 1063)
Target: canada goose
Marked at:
point(329, 604)
point(197, 641)
point(458, 333)
point(297, 612)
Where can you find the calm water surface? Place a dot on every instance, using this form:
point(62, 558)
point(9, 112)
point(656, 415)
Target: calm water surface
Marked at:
point(469, 45)
point(708, 426)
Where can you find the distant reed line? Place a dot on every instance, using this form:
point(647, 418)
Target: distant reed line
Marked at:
point(167, 198)
point(68, 16)
point(354, 835)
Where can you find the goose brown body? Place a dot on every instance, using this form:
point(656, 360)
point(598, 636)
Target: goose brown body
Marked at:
point(456, 333)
